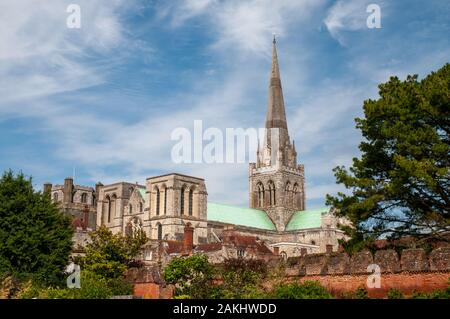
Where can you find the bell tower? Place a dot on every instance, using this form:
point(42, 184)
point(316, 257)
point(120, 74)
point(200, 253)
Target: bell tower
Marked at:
point(276, 181)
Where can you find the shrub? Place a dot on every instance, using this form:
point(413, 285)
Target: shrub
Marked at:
point(305, 290)
point(192, 276)
point(242, 278)
point(361, 293)
point(109, 255)
point(395, 294)
point(92, 285)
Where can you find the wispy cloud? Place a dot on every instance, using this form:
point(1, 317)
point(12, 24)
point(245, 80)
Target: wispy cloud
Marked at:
point(106, 98)
point(348, 15)
point(242, 25)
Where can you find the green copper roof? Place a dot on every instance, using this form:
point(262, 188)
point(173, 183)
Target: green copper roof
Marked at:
point(142, 191)
point(239, 216)
point(306, 219)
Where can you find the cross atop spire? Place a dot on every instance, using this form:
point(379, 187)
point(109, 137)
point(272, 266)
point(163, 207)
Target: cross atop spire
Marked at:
point(276, 117)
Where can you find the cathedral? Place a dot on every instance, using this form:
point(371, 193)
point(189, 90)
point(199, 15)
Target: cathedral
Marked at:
point(166, 206)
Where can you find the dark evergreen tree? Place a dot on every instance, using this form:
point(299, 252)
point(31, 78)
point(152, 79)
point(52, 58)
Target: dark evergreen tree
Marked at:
point(400, 186)
point(35, 237)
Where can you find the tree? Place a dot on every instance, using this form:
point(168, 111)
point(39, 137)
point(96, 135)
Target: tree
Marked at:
point(242, 278)
point(193, 276)
point(400, 185)
point(109, 255)
point(35, 237)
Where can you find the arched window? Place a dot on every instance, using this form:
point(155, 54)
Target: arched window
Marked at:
point(260, 189)
point(55, 197)
point(159, 231)
point(165, 200)
point(158, 204)
point(84, 198)
point(182, 200)
point(191, 201)
point(113, 205)
point(108, 202)
point(141, 207)
point(131, 209)
point(288, 194)
point(272, 200)
point(296, 196)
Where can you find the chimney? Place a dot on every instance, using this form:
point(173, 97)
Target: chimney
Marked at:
point(68, 190)
point(276, 250)
point(329, 249)
point(303, 252)
point(188, 241)
point(228, 234)
point(48, 189)
point(85, 217)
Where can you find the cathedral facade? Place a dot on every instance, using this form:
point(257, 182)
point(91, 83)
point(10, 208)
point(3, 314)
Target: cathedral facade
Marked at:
point(165, 206)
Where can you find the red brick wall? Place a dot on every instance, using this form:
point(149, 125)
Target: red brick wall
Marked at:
point(146, 290)
point(412, 270)
point(407, 283)
point(150, 290)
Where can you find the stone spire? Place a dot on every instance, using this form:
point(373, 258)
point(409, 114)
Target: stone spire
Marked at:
point(276, 116)
point(277, 182)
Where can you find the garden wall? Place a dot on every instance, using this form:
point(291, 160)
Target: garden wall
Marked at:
point(412, 270)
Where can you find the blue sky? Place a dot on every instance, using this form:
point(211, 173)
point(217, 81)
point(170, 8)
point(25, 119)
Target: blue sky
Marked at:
point(104, 98)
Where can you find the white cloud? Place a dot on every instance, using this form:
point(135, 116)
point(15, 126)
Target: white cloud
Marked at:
point(243, 25)
point(347, 15)
point(38, 51)
point(111, 146)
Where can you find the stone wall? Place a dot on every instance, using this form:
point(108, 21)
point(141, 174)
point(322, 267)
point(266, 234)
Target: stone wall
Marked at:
point(412, 270)
point(408, 283)
point(389, 261)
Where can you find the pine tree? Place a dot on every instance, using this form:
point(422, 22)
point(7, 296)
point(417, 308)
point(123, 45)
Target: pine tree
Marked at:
point(400, 186)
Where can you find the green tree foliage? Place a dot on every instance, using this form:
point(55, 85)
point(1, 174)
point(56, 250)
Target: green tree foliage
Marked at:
point(93, 286)
point(108, 255)
point(193, 276)
point(35, 238)
point(305, 290)
point(400, 185)
point(437, 294)
point(395, 294)
point(106, 258)
point(242, 278)
point(196, 278)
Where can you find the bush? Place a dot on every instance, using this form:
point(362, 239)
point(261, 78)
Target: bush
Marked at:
point(92, 287)
point(109, 255)
point(395, 294)
point(192, 276)
point(361, 293)
point(305, 290)
point(242, 278)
